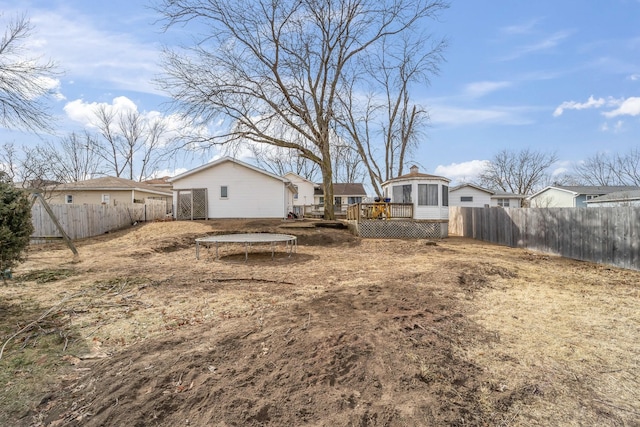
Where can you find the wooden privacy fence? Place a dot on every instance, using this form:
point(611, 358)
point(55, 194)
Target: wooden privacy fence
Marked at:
point(80, 221)
point(604, 235)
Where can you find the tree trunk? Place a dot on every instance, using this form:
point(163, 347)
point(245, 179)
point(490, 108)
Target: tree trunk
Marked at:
point(327, 184)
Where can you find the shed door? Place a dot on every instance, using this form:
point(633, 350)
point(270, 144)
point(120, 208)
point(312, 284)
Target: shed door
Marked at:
point(192, 204)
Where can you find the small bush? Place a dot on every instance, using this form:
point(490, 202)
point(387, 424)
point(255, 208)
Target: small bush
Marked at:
point(15, 224)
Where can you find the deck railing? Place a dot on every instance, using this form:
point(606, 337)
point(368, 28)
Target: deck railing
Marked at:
point(381, 210)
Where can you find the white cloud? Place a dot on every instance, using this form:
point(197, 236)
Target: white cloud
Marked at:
point(525, 28)
point(479, 89)
point(573, 105)
point(175, 126)
point(85, 51)
point(545, 44)
point(462, 172)
point(634, 77)
point(466, 116)
point(628, 107)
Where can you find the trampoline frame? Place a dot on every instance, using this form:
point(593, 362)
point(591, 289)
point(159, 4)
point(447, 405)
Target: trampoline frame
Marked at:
point(291, 242)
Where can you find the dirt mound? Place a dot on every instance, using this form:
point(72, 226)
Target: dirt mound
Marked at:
point(370, 357)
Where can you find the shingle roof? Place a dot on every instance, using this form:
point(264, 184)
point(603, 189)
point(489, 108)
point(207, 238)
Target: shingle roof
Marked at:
point(618, 196)
point(415, 174)
point(110, 183)
point(596, 189)
point(343, 189)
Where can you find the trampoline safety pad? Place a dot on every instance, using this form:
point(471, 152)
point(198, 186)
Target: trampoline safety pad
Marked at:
point(291, 242)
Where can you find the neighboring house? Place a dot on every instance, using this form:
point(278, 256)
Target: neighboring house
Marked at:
point(229, 188)
point(429, 194)
point(303, 195)
point(160, 183)
point(504, 199)
point(106, 190)
point(561, 196)
point(615, 199)
point(471, 195)
point(344, 194)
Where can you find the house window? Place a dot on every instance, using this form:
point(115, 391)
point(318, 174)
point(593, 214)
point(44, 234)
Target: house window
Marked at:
point(106, 199)
point(295, 196)
point(321, 200)
point(354, 200)
point(68, 198)
point(445, 195)
point(592, 196)
point(427, 194)
point(466, 198)
point(402, 193)
point(224, 192)
point(503, 202)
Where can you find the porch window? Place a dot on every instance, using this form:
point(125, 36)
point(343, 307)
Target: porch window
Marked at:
point(68, 199)
point(224, 192)
point(402, 193)
point(445, 195)
point(427, 194)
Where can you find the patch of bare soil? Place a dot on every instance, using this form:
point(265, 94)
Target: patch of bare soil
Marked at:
point(343, 332)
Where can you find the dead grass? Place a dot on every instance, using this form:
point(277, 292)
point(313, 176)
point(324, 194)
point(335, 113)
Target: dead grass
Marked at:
point(494, 335)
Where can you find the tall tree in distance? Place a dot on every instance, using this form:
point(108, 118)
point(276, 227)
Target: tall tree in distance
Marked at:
point(389, 126)
point(519, 172)
point(25, 81)
point(610, 169)
point(263, 66)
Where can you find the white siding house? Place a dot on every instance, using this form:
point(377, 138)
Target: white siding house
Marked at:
point(469, 195)
point(229, 188)
point(302, 195)
point(429, 194)
point(616, 199)
point(571, 196)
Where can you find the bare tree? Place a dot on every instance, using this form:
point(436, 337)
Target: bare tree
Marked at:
point(392, 116)
point(596, 170)
point(74, 157)
point(348, 165)
point(518, 172)
point(627, 167)
point(281, 161)
point(265, 66)
point(111, 147)
point(610, 169)
point(25, 81)
point(130, 144)
point(8, 160)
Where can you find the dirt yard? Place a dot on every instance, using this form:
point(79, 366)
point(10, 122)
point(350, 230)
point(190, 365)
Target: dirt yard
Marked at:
point(345, 332)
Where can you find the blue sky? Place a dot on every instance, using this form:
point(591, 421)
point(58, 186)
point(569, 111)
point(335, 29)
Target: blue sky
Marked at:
point(560, 76)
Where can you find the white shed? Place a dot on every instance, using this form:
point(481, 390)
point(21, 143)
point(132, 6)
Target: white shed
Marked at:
point(429, 194)
point(470, 195)
point(474, 196)
point(229, 188)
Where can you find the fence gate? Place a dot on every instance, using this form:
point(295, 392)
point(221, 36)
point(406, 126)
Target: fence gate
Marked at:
point(192, 204)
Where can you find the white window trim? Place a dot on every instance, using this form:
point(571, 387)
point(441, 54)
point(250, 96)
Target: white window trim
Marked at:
point(68, 199)
point(226, 190)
